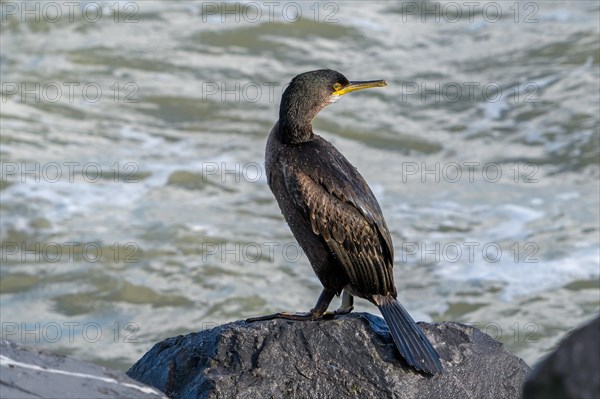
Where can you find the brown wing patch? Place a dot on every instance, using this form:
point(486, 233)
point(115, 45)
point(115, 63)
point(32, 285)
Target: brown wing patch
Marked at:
point(352, 238)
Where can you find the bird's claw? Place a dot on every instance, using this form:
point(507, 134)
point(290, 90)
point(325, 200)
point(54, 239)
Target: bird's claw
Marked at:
point(341, 311)
point(287, 316)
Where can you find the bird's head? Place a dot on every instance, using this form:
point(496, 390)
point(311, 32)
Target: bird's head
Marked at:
point(307, 94)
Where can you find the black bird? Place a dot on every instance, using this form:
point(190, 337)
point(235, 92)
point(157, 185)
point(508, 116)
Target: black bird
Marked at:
point(334, 215)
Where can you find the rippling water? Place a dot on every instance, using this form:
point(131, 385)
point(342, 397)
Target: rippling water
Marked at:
point(134, 201)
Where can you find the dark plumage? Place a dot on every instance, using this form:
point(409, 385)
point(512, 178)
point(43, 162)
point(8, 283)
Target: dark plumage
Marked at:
point(334, 215)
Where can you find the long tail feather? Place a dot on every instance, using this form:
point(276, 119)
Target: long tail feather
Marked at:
point(410, 340)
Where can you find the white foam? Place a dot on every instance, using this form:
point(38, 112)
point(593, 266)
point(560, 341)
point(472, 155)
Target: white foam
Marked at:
point(520, 278)
point(515, 222)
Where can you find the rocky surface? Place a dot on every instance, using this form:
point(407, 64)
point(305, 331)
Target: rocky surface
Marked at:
point(572, 371)
point(352, 356)
point(30, 373)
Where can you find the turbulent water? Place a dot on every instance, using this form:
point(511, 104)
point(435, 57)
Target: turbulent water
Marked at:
point(135, 205)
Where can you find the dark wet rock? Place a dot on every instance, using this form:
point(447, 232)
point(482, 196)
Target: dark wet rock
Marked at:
point(31, 373)
point(572, 370)
point(352, 356)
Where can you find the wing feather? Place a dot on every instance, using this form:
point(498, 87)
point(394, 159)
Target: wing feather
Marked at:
point(340, 207)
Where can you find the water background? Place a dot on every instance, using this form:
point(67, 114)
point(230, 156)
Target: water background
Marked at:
point(134, 204)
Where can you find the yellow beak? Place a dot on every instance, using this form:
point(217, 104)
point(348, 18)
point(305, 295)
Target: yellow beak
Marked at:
point(354, 86)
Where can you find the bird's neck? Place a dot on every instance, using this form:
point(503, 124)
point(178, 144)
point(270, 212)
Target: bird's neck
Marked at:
point(295, 119)
point(294, 131)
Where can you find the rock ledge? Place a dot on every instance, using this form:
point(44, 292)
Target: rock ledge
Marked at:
point(348, 357)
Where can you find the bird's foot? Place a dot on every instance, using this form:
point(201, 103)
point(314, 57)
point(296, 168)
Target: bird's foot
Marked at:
point(344, 310)
point(301, 316)
point(316, 313)
point(337, 312)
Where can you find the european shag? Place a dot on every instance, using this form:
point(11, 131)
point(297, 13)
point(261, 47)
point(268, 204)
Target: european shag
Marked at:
point(334, 215)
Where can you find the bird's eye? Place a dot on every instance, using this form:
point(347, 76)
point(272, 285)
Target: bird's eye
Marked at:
point(337, 86)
